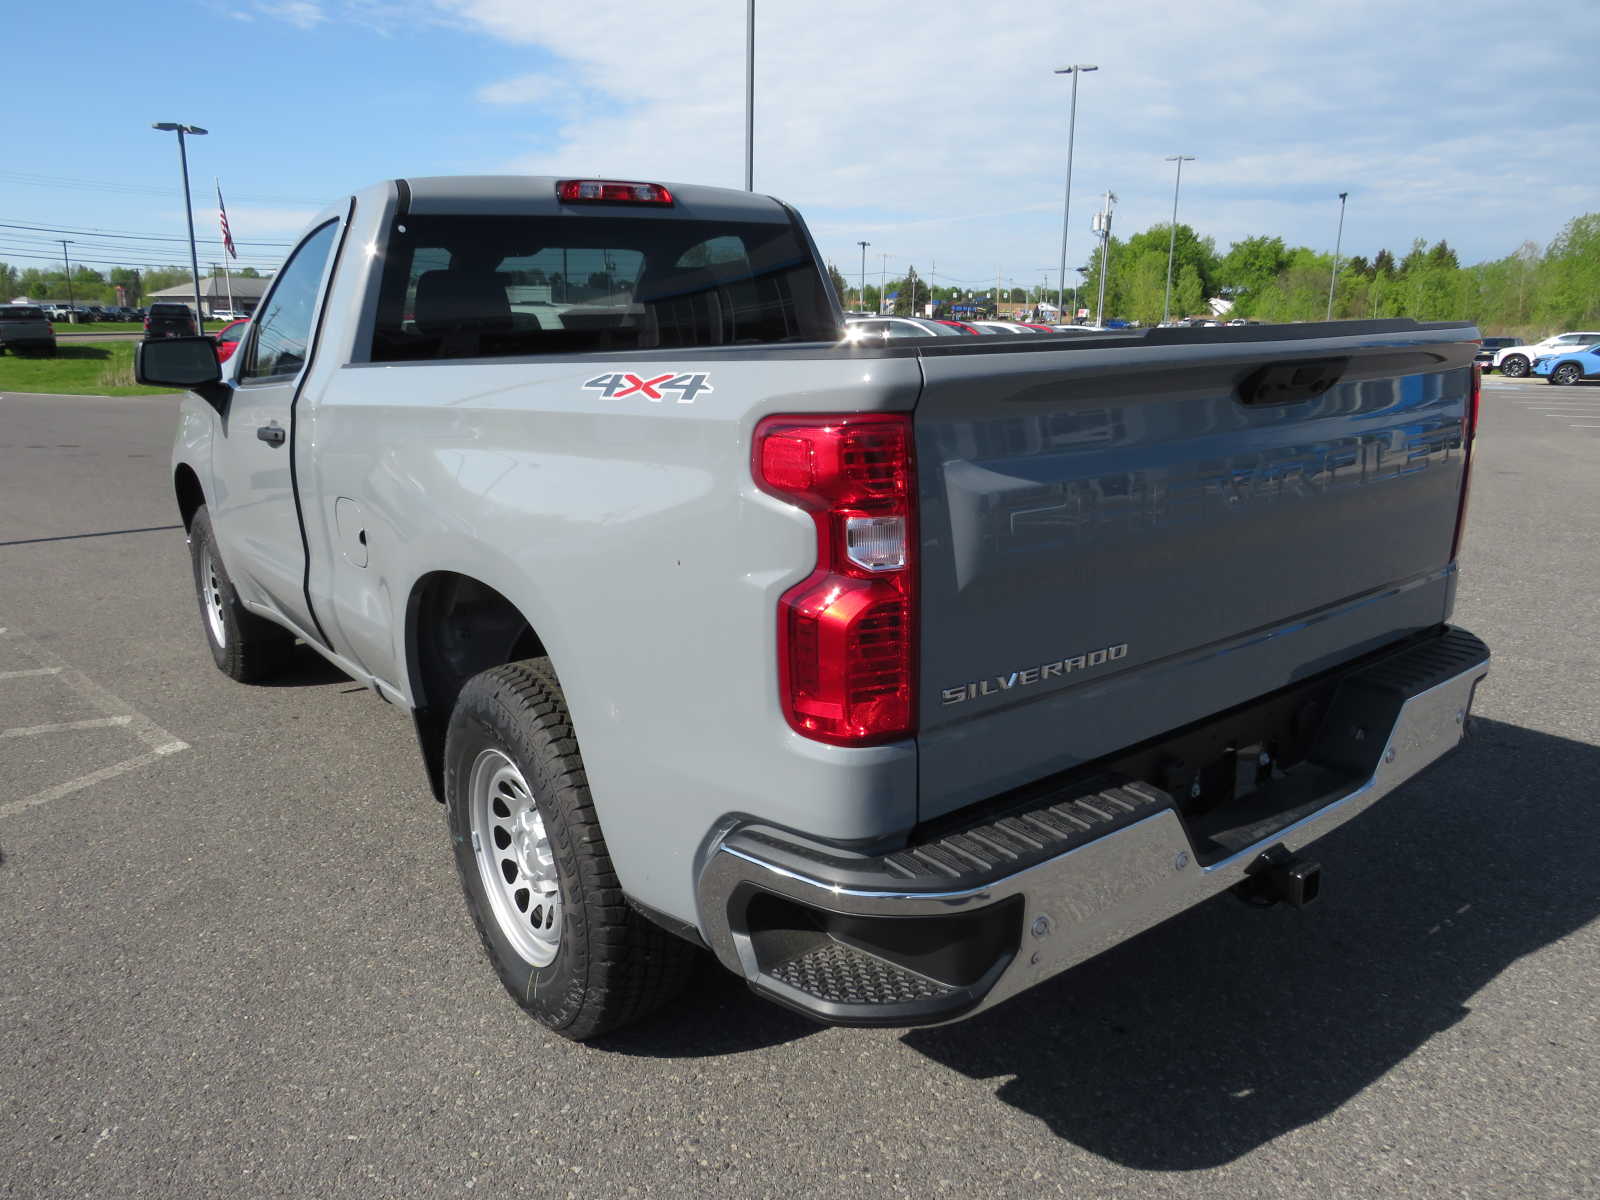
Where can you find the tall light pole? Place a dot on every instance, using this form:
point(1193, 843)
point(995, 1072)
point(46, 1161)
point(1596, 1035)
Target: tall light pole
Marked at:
point(188, 209)
point(1172, 241)
point(72, 317)
point(749, 95)
point(1066, 205)
point(863, 246)
point(1339, 238)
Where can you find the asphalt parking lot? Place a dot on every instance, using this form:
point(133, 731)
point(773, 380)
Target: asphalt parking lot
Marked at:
point(234, 958)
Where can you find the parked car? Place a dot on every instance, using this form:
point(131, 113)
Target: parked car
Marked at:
point(875, 670)
point(1002, 327)
point(1569, 366)
point(864, 328)
point(958, 326)
point(24, 329)
point(228, 314)
point(1515, 361)
point(170, 320)
point(1490, 345)
point(229, 337)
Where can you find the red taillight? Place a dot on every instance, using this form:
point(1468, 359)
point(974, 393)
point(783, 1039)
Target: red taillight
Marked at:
point(1469, 434)
point(611, 191)
point(847, 633)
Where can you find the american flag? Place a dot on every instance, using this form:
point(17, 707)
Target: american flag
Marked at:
point(222, 212)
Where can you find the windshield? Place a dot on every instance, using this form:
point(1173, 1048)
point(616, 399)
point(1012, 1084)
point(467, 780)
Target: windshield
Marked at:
point(480, 287)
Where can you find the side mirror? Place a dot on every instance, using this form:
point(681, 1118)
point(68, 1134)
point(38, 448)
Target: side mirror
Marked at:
point(182, 362)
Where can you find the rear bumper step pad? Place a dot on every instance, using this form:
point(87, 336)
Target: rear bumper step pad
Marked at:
point(963, 920)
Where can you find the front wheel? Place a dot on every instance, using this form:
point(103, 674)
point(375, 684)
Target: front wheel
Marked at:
point(1566, 374)
point(1514, 365)
point(533, 863)
point(244, 646)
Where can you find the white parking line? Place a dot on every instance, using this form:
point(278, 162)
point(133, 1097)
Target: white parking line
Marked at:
point(158, 742)
point(89, 780)
point(63, 726)
point(31, 671)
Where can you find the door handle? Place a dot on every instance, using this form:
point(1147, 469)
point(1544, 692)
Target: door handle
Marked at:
point(272, 435)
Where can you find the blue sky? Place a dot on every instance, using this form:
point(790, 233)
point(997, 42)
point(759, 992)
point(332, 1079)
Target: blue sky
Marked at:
point(936, 132)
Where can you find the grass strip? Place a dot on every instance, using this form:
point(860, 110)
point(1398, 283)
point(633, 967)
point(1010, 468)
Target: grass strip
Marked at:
point(78, 369)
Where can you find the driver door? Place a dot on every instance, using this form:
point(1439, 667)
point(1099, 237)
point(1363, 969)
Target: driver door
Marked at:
point(255, 516)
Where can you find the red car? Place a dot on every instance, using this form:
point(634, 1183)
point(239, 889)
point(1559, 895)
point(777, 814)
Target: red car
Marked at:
point(965, 328)
point(229, 337)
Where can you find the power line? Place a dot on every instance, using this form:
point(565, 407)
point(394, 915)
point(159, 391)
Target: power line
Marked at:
point(68, 183)
point(106, 233)
point(140, 264)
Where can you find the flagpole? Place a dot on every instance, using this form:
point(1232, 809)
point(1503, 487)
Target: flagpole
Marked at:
point(227, 248)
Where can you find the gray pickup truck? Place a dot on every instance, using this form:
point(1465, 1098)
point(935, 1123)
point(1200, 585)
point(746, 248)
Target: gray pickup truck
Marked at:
point(901, 677)
point(24, 329)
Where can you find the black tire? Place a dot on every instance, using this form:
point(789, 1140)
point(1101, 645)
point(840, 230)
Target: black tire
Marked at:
point(1514, 365)
point(1566, 374)
point(250, 648)
point(611, 966)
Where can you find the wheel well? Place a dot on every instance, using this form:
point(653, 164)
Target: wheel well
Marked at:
point(455, 628)
point(190, 495)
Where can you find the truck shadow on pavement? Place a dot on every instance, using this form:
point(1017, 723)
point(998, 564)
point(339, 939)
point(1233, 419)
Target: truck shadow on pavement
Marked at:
point(1226, 1028)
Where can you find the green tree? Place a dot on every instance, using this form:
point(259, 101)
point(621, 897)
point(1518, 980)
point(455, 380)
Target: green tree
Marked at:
point(840, 288)
point(1569, 276)
point(1250, 266)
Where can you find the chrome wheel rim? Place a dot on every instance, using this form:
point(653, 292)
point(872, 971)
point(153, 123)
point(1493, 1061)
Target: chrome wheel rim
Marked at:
point(515, 860)
point(211, 596)
point(1566, 373)
point(1514, 368)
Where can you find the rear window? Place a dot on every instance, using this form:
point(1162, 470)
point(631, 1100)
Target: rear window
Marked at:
point(487, 287)
point(169, 310)
point(21, 313)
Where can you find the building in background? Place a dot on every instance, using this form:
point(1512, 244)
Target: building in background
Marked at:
point(247, 293)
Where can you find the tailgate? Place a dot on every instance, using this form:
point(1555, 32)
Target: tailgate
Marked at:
point(1119, 538)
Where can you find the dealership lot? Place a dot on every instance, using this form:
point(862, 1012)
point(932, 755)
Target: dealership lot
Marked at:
point(235, 955)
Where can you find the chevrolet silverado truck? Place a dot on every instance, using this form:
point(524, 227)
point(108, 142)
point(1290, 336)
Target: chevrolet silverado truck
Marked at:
point(899, 676)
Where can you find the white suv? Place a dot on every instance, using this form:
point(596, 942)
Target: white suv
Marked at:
point(1515, 360)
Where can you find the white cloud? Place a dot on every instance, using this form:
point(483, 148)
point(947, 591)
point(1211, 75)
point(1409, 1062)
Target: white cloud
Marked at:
point(302, 14)
point(940, 132)
point(523, 89)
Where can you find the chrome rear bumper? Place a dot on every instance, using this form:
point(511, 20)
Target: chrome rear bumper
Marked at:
point(856, 942)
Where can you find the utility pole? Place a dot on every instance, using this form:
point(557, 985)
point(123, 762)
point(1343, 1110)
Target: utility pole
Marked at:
point(883, 279)
point(1075, 70)
point(1336, 244)
point(72, 316)
point(749, 95)
point(1102, 226)
point(863, 246)
point(1172, 240)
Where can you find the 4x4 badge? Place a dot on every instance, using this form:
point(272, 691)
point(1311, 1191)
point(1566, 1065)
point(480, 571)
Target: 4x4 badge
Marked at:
point(617, 385)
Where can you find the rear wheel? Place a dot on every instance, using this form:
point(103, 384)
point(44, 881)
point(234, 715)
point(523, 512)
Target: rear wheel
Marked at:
point(1566, 374)
point(244, 646)
point(1514, 365)
point(533, 862)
